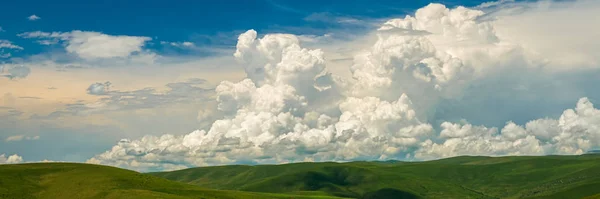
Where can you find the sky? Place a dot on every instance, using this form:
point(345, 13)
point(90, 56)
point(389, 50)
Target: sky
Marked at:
point(154, 87)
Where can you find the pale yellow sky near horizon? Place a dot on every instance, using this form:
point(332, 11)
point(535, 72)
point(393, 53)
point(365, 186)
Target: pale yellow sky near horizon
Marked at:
point(46, 90)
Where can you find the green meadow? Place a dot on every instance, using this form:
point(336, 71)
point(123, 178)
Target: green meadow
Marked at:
point(458, 177)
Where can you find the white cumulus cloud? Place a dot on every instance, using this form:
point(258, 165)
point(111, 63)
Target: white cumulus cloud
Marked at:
point(575, 132)
point(291, 108)
point(12, 159)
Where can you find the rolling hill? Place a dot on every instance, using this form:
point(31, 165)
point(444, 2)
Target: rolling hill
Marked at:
point(459, 177)
point(71, 180)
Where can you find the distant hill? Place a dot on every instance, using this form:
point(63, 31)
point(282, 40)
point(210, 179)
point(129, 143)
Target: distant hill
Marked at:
point(75, 181)
point(459, 177)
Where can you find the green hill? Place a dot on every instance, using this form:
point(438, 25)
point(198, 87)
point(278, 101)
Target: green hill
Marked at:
point(70, 180)
point(459, 177)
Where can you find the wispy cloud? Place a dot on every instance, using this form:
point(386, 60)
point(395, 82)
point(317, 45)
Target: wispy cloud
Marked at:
point(332, 18)
point(9, 45)
point(9, 112)
point(29, 97)
point(493, 4)
point(114, 100)
point(185, 44)
point(15, 71)
point(15, 138)
point(284, 7)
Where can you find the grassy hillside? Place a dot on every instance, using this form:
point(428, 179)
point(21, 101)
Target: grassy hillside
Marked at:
point(68, 180)
point(460, 177)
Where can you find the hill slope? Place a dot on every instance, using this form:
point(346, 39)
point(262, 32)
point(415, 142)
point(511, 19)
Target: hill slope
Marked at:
point(460, 177)
point(69, 180)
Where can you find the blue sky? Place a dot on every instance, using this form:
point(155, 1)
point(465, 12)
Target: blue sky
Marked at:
point(160, 85)
point(203, 22)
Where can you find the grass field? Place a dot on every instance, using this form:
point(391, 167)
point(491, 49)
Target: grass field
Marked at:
point(70, 180)
point(459, 177)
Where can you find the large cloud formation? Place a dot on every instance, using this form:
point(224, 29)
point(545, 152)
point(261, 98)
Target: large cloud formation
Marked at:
point(290, 108)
